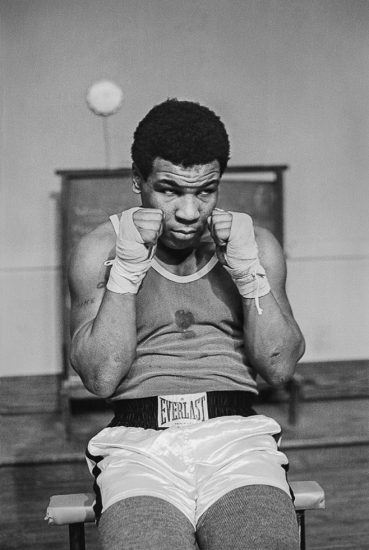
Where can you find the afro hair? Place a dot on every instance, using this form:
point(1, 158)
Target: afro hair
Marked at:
point(184, 133)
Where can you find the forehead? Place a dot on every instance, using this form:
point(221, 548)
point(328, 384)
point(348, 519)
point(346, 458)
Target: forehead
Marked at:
point(164, 170)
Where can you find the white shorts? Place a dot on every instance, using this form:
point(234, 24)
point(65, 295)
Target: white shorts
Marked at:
point(189, 466)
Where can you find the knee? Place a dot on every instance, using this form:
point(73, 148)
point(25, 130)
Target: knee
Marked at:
point(252, 517)
point(145, 522)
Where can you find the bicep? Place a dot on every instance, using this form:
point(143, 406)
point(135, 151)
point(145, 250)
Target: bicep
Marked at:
point(87, 282)
point(273, 260)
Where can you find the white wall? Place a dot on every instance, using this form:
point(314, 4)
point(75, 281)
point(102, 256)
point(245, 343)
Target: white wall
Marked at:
point(290, 78)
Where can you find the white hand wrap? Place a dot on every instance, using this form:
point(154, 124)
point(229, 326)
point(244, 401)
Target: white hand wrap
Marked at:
point(243, 262)
point(133, 258)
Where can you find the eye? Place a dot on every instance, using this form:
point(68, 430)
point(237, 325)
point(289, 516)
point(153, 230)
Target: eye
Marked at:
point(206, 192)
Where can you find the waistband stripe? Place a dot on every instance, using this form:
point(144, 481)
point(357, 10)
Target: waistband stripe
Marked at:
point(145, 413)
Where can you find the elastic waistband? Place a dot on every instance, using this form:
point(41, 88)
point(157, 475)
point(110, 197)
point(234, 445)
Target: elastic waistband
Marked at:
point(143, 413)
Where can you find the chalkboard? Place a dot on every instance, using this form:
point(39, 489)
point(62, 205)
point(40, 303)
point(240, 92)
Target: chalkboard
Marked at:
point(89, 197)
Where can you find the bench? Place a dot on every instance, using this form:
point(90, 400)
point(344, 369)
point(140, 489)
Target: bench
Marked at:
point(75, 510)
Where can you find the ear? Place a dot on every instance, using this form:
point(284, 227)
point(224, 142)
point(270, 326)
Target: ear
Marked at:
point(136, 187)
point(136, 180)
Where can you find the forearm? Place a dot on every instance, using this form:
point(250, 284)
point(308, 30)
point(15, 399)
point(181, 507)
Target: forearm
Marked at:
point(273, 340)
point(103, 349)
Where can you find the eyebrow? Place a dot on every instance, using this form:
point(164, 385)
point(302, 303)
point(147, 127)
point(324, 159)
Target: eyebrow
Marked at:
point(173, 183)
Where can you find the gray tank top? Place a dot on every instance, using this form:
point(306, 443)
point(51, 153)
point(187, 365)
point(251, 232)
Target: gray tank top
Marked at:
point(189, 334)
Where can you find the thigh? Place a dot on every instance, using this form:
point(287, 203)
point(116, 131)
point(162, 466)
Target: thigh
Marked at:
point(138, 523)
point(132, 462)
point(256, 517)
point(238, 452)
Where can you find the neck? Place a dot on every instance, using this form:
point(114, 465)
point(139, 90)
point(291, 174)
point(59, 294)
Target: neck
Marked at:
point(184, 261)
point(172, 256)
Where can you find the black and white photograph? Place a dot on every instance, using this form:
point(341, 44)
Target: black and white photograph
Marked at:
point(184, 265)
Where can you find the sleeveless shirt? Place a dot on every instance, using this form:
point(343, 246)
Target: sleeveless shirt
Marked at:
point(189, 335)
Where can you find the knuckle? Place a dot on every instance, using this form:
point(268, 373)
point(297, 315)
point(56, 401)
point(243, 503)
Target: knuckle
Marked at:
point(137, 215)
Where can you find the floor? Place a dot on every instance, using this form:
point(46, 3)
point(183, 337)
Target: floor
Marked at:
point(329, 443)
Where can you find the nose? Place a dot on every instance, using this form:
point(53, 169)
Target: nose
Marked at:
point(188, 209)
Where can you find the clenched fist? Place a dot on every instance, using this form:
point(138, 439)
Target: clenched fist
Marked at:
point(233, 234)
point(149, 222)
point(139, 230)
point(220, 225)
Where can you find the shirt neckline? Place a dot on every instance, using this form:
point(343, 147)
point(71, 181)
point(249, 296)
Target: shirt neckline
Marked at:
point(185, 278)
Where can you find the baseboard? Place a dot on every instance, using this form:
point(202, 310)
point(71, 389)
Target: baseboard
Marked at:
point(326, 380)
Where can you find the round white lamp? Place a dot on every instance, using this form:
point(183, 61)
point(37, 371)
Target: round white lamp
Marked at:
point(104, 98)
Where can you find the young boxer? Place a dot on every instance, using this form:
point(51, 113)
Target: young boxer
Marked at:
point(192, 308)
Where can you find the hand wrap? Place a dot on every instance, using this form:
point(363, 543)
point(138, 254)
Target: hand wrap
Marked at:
point(133, 258)
point(242, 260)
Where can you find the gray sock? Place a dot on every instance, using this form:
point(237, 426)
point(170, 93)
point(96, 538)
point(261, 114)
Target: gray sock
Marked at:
point(256, 517)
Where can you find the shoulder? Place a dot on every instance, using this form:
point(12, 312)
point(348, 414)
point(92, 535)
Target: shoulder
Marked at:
point(99, 241)
point(270, 253)
point(266, 241)
point(90, 253)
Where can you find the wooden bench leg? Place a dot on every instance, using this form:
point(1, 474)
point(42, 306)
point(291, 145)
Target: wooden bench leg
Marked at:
point(66, 412)
point(301, 523)
point(295, 396)
point(77, 536)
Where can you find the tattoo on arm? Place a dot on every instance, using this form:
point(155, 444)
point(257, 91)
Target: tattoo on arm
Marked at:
point(86, 302)
point(102, 284)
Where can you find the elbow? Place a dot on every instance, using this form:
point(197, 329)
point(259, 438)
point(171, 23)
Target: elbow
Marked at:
point(101, 388)
point(282, 365)
point(101, 381)
point(99, 384)
point(281, 375)
point(277, 364)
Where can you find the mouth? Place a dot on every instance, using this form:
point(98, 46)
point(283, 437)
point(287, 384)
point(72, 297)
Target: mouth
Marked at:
point(184, 233)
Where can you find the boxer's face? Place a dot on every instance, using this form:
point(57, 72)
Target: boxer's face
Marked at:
point(187, 196)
